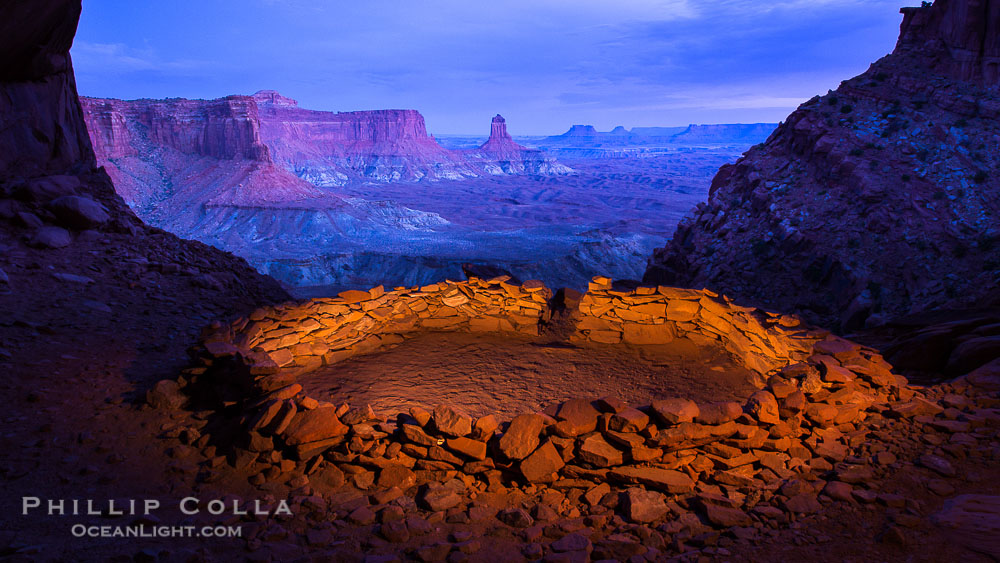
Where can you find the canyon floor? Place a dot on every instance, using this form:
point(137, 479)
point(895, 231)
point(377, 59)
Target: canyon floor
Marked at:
point(604, 219)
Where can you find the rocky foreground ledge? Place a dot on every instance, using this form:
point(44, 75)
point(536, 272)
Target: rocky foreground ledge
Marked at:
point(588, 478)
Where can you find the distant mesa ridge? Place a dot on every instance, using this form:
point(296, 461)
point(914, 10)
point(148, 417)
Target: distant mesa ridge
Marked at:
point(266, 150)
point(588, 135)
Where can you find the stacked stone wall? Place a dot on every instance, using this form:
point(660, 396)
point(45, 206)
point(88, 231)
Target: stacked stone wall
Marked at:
point(807, 415)
point(303, 336)
point(759, 340)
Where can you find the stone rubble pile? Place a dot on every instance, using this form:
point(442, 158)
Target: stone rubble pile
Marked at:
point(726, 464)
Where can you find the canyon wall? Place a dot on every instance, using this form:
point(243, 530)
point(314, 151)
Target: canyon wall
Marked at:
point(41, 126)
point(325, 149)
point(876, 200)
point(189, 153)
point(332, 149)
point(748, 133)
point(957, 38)
point(54, 201)
point(228, 128)
point(265, 178)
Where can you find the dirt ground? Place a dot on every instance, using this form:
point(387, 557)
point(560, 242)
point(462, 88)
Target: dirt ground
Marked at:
point(75, 428)
point(506, 376)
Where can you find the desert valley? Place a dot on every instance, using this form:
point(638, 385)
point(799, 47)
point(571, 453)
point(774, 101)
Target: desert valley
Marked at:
point(241, 329)
point(329, 201)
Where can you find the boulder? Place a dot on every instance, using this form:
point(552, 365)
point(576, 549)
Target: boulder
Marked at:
point(673, 482)
point(725, 516)
point(51, 237)
point(642, 506)
point(166, 394)
point(803, 503)
point(396, 476)
point(937, 464)
point(485, 427)
point(839, 490)
point(576, 417)
point(421, 415)
point(521, 437)
point(674, 411)
point(451, 422)
point(437, 497)
point(516, 517)
point(467, 447)
point(415, 434)
point(359, 415)
point(314, 425)
point(764, 407)
point(629, 420)
point(719, 413)
point(595, 450)
point(78, 212)
point(542, 464)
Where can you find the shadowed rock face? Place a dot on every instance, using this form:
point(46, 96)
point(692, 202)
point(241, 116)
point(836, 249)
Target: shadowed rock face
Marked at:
point(958, 38)
point(52, 195)
point(879, 199)
point(41, 127)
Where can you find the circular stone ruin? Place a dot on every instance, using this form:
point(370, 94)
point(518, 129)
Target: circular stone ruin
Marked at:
point(813, 392)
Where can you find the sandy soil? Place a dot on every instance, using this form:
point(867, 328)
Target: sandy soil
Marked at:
point(506, 376)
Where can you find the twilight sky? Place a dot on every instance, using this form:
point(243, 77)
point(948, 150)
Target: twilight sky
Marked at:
point(543, 64)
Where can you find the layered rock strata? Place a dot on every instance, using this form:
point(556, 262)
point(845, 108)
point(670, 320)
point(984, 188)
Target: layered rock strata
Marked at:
point(154, 147)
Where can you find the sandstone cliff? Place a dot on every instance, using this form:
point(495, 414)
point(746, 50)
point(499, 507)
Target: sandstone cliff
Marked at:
point(956, 38)
point(332, 149)
point(877, 199)
point(190, 151)
point(154, 142)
